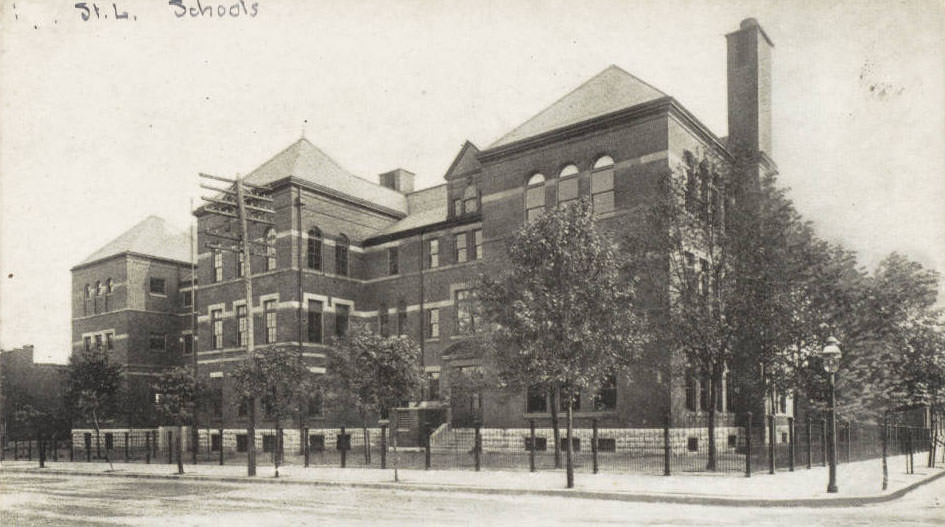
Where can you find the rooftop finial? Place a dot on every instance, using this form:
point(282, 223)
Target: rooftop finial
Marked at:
point(304, 123)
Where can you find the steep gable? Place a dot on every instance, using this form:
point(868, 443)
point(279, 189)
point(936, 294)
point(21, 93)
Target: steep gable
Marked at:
point(151, 237)
point(610, 90)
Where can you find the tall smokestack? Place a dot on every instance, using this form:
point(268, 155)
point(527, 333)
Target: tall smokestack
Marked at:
point(749, 93)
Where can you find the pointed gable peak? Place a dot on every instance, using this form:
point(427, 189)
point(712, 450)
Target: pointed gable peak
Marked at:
point(465, 162)
point(152, 236)
point(610, 90)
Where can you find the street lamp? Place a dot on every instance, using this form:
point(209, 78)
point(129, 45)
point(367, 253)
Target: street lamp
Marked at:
point(830, 356)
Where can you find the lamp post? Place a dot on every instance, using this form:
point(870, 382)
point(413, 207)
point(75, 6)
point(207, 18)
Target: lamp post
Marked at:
point(831, 360)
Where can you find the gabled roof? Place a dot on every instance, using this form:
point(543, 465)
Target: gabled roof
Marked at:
point(305, 161)
point(151, 237)
point(464, 162)
point(610, 90)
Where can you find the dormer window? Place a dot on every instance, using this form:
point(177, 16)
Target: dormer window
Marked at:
point(470, 200)
point(534, 197)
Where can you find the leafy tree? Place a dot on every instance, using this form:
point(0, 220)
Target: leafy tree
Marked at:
point(278, 377)
point(561, 316)
point(678, 247)
point(177, 395)
point(94, 388)
point(374, 372)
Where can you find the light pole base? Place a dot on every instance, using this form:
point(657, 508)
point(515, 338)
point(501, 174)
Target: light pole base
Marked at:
point(832, 489)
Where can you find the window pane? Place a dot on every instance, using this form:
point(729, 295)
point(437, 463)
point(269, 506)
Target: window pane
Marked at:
point(461, 249)
point(603, 202)
point(393, 263)
point(314, 321)
point(535, 197)
point(567, 190)
point(602, 180)
point(341, 319)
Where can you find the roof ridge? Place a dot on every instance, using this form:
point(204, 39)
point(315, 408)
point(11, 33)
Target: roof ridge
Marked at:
point(638, 79)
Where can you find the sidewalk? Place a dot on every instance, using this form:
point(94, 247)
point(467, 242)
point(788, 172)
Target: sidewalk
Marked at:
point(859, 482)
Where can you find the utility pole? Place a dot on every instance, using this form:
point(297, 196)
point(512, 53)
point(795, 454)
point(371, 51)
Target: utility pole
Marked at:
point(246, 204)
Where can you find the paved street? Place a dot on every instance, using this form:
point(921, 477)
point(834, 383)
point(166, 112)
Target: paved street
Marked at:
point(30, 499)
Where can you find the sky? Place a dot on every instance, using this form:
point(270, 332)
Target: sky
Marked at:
point(105, 121)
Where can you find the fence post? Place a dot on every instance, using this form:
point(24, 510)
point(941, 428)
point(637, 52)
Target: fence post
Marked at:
point(666, 445)
point(16, 449)
point(911, 461)
point(55, 451)
point(29, 450)
point(594, 445)
point(306, 447)
point(477, 446)
point(748, 445)
point(426, 452)
point(170, 449)
point(341, 444)
point(809, 440)
point(885, 467)
point(71, 449)
point(221, 446)
point(531, 450)
point(849, 439)
point(127, 438)
point(383, 446)
point(41, 445)
point(823, 440)
point(771, 438)
point(147, 447)
point(790, 421)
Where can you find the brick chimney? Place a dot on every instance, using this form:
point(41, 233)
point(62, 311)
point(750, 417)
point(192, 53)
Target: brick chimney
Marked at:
point(398, 179)
point(749, 93)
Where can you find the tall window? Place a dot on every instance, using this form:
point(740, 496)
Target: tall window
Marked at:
point(574, 394)
point(383, 326)
point(88, 343)
point(270, 249)
point(217, 265)
point(242, 326)
point(216, 327)
point(109, 286)
point(457, 207)
point(433, 386)
point(269, 309)
point(98, 342)
point(568, 185)
point(470, 200)
point(433, 253)
point(341, 255)
point(88, 291)
point(602, 185)
point(465, 314)
point(186, 298)
point(187, 341)
point(606, 397)
point(341, 319)
point(393, 260)
point(462, 250)
point(536, 399)
point(477, 242)
point(109, 341)
point(401, 318)
point(314, 253)
point(535, 197)
point(315, 321)
point(240, 261)
point(432, 326)
point(99, 290)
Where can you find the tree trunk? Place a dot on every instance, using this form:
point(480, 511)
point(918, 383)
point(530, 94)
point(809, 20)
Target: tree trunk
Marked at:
point(98, 433)
point(555, 404)
point(713, 400)
point(570, 469)
point(251, 439)
point(367, 443)
point(179, 446)
point(277, 448)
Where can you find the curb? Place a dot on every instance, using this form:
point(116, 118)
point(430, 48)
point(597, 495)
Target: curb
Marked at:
point(851, 501)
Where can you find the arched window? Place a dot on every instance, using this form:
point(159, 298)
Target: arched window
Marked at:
point(341, 255)
point(270, 249)
point(567, 185)
point(315, 249)
point(88, 291)
point(534, 197)
point(99, 290)
point(470, 200)
point(602, 185)
point(109, 286)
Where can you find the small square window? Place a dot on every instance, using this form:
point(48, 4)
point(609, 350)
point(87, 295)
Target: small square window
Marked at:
point(269, 443)
point(215, 443)
point(316, 443)
point(156, 342)
point(576, 443)
point(784, 437)
point(541, 444)
point(732, 441)
point(241, 443)
point(692, 444)
point(158, 286)
point(606, 444)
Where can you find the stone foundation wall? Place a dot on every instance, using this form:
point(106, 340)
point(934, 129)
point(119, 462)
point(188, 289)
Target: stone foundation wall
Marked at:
point(290, 437)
